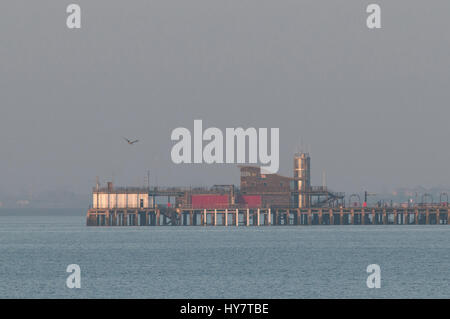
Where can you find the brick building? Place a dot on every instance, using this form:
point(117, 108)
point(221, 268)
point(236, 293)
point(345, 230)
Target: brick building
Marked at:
point(274, 190)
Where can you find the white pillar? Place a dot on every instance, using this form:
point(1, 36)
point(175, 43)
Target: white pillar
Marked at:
point(257, 217)
point(226, 217)
point(237, 217)
point(247, 216)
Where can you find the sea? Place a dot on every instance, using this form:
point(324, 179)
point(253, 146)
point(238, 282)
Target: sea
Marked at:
point(37, 246)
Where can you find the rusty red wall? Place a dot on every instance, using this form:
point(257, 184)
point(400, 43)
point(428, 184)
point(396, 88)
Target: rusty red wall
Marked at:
point(209, 201)
point(250, 201)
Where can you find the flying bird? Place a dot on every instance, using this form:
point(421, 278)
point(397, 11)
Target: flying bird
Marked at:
point(130, 142)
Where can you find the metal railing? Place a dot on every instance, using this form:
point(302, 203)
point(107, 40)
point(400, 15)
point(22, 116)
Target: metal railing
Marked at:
point(129, 190)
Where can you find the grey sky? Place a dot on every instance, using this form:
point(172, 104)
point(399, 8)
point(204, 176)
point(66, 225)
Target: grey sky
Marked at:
point(373, 105)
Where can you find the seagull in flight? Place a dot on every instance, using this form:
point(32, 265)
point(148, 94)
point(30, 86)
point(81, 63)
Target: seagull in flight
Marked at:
point(130, 142)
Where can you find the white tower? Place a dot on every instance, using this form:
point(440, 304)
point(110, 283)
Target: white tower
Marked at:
point(302, 176)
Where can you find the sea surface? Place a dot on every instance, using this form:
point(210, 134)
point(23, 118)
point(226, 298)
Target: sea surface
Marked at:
point(217, 262)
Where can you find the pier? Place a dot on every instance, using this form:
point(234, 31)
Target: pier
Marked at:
point(260, 200)
point(165, 216)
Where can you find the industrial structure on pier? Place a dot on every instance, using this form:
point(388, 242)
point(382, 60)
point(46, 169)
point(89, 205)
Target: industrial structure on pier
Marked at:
point(257, 189)
point(261, 199)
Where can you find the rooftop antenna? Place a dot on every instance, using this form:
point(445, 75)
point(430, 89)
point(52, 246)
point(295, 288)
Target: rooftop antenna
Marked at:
point(97, 182)
point(324, 179)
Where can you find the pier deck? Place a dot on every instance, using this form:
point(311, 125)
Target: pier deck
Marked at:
point(419, 215)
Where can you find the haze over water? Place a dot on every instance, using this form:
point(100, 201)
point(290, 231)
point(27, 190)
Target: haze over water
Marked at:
point(219, 262)
point(372, 104)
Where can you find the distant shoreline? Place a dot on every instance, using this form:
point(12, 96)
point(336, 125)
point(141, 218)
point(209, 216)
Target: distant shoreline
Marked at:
point(42, 211)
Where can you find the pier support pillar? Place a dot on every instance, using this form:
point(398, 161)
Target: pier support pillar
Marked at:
point(183, 217)
point(226, 217)
point(237, 217)
point(91, 219)
point(247, 217)
point(269, 216)
point(125, 218)
point(204, 218)
point(194, 218)
point(257, 217)
point(215, 217)
point(113, 218)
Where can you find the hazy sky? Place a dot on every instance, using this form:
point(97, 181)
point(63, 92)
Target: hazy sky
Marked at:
point(372, 105)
